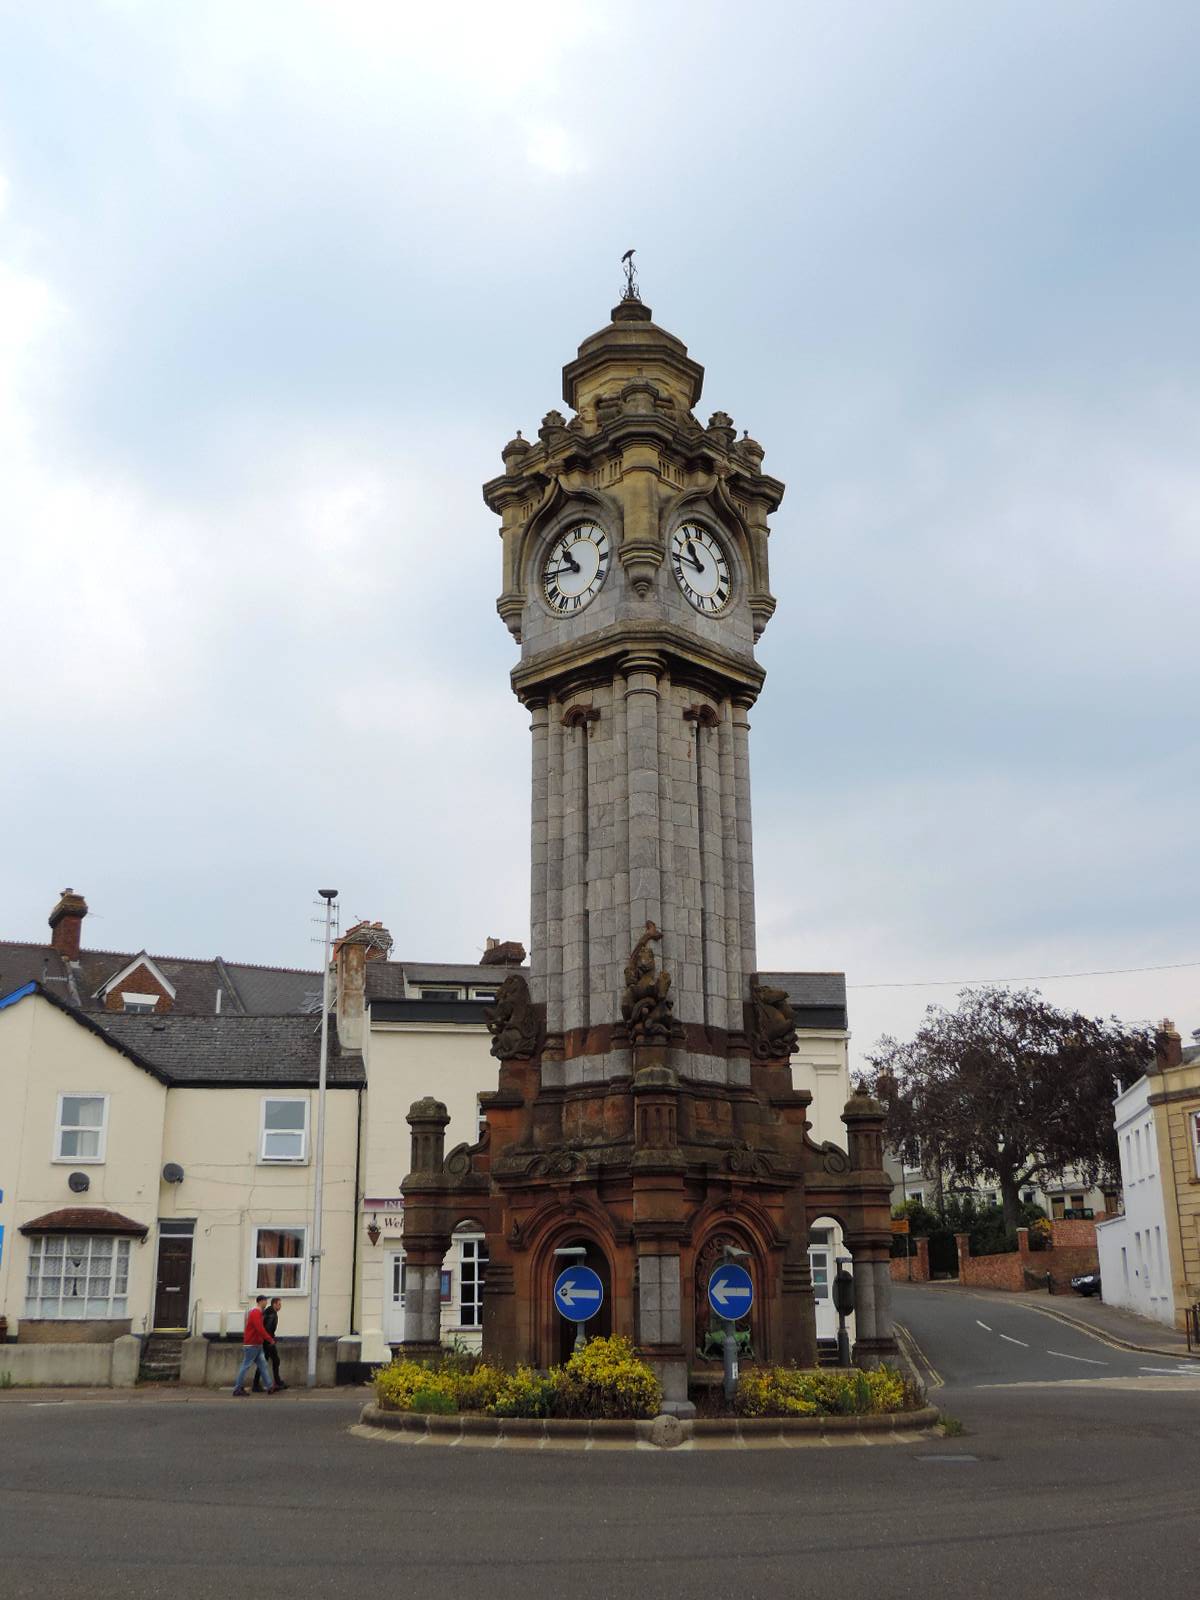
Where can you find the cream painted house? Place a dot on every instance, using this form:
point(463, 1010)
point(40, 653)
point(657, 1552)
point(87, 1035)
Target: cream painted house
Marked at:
point(156, 1166)
point(157, 1171)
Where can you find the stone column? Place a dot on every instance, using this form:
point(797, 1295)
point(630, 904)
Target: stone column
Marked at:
point(884, 1331)
point(552, 952)
point(660, 1321)
point(745, 831)
point(642, 673)
point(539, 847)
point(422, 1306)
point(864, 1303)
point(735, 973)
point(575, 958)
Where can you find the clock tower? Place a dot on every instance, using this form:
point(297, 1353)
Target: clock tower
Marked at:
point(645, 1116)
point(635, 572)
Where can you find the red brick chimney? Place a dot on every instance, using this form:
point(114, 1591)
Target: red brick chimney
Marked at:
point(66, 920)
point(366, 941)
point(1168, 1046)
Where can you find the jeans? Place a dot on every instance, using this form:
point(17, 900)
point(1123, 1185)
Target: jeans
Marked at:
point(252, 1355)
point(271, 1351)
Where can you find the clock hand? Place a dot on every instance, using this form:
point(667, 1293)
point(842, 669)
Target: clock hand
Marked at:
point(570, 560)
point(699, 565)
point(691, 550)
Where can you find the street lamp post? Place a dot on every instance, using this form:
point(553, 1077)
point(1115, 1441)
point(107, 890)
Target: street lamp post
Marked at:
point(314, 1277)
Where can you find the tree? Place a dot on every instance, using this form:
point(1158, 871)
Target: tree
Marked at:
point(1009, 1089)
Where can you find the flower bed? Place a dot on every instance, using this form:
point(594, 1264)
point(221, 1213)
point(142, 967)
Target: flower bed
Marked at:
point(826, 1392)
point(603, 1380)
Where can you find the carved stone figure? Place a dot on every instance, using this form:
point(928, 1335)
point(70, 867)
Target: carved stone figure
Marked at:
point(644, 1004)
point(513, 1021)
point(774, 1033)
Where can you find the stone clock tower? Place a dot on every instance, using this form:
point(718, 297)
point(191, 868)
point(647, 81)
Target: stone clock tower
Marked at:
point(645, 1109)
point(636, 581)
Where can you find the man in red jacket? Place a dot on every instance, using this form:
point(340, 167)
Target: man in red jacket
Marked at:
point(253, 1340)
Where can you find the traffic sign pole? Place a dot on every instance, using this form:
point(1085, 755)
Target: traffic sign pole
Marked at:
point(578, 1296)
point(730, 1294)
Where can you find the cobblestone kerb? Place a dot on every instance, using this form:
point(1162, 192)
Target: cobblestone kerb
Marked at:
point(664, 1433)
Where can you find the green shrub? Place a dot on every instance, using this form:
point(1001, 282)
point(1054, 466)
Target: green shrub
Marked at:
point(604, 1379)
point(607, 1379)
point(435, 1401)
point(794, 1392)
point(526, 1393)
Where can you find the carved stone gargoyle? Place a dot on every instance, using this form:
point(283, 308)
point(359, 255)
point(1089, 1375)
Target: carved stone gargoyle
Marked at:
point(773, 1035)
point(644, 1004)
point(513, 1021)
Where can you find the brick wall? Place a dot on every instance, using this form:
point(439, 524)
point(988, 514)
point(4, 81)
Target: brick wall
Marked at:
point(1071, 1254)
point(916, 1268)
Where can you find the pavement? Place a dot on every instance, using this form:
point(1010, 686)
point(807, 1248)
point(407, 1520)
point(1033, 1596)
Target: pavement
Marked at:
point(1075, 1472)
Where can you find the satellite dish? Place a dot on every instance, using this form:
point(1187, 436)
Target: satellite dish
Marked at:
point(79, 1183)
point(172, 1172)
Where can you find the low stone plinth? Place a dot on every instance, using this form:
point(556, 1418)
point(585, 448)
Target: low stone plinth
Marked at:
point(662, 1433)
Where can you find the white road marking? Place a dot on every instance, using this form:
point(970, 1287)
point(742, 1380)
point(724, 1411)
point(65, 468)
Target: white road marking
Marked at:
point(983, 1325)
point(1011, 1340)
point(1087, 1360)
point(1171, 1372)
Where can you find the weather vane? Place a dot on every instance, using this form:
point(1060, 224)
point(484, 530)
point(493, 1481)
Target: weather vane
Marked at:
point(631, 288)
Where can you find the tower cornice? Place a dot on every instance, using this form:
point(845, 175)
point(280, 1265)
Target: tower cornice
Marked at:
point(601, 654)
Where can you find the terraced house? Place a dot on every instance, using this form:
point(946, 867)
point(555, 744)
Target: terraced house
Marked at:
point(156, 1147)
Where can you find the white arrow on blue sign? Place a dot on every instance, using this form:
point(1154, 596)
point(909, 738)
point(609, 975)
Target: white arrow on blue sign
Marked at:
point(730, 1291)
point(578, 1293)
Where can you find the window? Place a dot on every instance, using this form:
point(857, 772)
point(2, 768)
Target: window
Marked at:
point(284, 1130)
point(140, 1004)
point(1027, 1197)
point(279, 1259)
point(917, 1197)
point(483, 994)
point(77, 1276)
point(81, 1127)
point(472, 1264)
point(1196, 1140)
point(442, 993)
point(399, 1281)
point(480, 1119)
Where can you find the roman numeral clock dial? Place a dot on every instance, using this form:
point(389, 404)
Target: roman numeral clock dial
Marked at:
point(701, 568)
point(575, 568)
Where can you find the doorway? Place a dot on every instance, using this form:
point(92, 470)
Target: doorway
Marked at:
point(173, 1288)
point(393, 1296)
point(597, 1327)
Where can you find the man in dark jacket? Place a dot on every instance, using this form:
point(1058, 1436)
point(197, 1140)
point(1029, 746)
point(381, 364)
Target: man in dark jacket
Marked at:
point(271, 1351)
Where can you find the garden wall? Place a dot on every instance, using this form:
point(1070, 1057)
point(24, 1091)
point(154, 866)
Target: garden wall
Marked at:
point(1073, 1251)
point(916, 1268)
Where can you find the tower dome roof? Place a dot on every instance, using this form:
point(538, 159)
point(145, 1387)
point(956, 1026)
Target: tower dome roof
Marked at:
point(632, 345)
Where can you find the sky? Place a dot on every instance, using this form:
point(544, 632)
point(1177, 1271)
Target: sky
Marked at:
point(278, 280)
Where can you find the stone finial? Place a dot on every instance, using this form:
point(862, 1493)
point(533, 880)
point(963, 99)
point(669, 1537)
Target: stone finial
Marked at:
point(644, 1003)
point(721, 424)
point(428, 1119)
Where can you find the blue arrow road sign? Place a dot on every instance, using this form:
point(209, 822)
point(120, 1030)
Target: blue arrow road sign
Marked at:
point(578, 1293)
point(730, 1291)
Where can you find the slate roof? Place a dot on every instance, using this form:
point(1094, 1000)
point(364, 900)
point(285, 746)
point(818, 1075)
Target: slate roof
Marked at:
point(386, 979)
point(1191, 1052)
point(233, 1051)
point(818, 998)
point(246, 990)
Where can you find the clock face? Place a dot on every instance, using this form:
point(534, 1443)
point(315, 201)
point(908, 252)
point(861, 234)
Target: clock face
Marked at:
point(575, 568)
point(701, 568)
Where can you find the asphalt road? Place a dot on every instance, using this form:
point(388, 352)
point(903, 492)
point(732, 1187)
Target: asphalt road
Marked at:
point(1074, 1487)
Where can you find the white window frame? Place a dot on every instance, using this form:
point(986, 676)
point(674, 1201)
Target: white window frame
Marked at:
point(60, 1128)
point(116, 1306)
point(264, 1159)
point(257, 1260)
point(1194, 1119)
point(488, 995)
point(478, 1243)
point(440, 991)
point(142, 1004)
